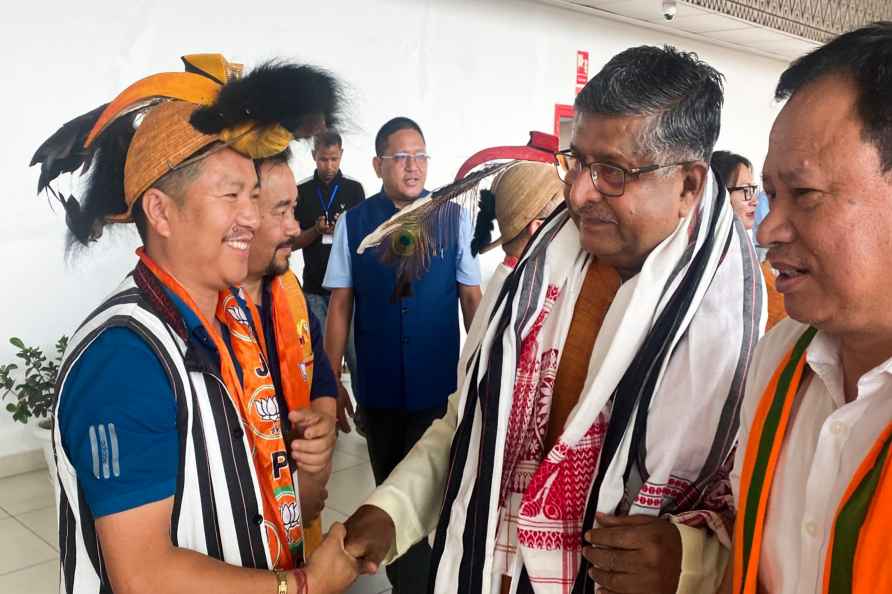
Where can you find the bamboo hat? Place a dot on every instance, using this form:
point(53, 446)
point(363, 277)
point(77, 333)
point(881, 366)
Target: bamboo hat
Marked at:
point(521, 194)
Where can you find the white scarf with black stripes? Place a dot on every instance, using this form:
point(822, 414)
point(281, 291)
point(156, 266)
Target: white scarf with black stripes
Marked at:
point(676, 344)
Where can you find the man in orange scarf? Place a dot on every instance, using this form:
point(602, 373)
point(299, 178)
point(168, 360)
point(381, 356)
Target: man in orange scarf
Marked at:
point(172, 461)
point(812, 481)
point(292, 338)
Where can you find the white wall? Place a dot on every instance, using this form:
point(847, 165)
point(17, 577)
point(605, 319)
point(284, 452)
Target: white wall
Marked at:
point(473, 73)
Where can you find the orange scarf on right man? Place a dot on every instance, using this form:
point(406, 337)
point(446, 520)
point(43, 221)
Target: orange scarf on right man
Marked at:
point(857, 560)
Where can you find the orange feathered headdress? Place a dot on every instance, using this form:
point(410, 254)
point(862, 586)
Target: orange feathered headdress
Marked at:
point(157, 124)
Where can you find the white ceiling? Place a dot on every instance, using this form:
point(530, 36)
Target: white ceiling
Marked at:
point(698, 23)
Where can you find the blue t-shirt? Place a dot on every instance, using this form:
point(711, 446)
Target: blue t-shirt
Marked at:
point(118, 423)
point(118, 417)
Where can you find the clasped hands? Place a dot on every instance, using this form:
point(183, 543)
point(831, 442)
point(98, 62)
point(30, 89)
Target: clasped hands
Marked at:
point(352, 550)
point(311, 445)
point(332, 568)
point(628, 554)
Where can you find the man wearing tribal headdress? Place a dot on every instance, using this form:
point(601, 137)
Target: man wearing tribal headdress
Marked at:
point(812, 476)
point(592, 433)
point(171, 457)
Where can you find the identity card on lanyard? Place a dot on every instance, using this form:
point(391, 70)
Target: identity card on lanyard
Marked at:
point(327, 238)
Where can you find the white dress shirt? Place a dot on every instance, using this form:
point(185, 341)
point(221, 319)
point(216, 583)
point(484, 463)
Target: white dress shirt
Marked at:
point(825, 444)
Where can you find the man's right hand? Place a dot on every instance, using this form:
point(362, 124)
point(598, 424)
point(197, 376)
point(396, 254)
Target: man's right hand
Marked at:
point(345, 409)
point(370, 534)
point(331, 569)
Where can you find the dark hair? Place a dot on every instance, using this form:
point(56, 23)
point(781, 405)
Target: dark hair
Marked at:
point(283, 158)
point(391, 128)
point(864, 55)
point(139, 219)
point(327, 139)
point(725, 162)
point(683, 94)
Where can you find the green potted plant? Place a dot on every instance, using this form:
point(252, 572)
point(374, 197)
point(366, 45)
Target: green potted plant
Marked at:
point(30, 385)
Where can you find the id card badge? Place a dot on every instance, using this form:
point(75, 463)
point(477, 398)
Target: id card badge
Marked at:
point(327, 239)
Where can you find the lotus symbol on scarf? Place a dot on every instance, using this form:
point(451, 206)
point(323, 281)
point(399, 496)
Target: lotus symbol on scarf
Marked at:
point(290, 515)
point(267, 408)
point(237, 314)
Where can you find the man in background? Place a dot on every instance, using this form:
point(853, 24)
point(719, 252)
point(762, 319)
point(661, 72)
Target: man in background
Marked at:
point(323, 198)
point(291, 337)
point(407, 345)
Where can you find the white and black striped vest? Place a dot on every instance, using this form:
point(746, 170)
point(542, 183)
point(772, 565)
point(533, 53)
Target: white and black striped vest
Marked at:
point(217, 505)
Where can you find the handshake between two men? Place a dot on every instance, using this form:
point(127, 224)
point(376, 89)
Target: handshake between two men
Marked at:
point(623, 554)
point(332, 567)
point(626, 554)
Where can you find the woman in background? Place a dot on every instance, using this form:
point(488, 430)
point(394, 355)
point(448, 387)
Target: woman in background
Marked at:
point(736, 172)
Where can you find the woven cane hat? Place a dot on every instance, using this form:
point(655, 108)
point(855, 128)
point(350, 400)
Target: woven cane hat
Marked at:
point(164, 139)
point(163, 121)
point(522, 192)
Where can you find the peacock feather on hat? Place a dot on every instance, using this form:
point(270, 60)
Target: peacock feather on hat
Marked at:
point(410, 238)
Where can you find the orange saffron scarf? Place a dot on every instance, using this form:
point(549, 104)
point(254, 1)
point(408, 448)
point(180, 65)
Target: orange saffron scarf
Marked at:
point(254, 396)
point(857, 554)
point(294, 345)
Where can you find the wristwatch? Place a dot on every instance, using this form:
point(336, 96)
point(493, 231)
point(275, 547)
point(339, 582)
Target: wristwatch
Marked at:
point(282, 579)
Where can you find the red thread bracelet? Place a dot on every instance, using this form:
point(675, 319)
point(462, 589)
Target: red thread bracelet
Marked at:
point(301, 577)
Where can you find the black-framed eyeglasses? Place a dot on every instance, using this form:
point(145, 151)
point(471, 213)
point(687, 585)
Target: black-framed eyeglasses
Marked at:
point(750, 191)
point(609, 179)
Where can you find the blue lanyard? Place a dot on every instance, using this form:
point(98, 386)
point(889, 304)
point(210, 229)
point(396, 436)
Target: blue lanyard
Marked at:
point(334, 192)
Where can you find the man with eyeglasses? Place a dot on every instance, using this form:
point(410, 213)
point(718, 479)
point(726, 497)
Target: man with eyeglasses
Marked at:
point(591, 438)
point(406, 346)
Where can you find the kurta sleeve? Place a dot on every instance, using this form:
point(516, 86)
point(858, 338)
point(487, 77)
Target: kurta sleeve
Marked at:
point(413, 493)
point(703, 560)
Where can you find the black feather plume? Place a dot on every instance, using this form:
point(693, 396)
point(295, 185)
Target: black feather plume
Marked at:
point(273, 93)
point(104, 192)
point(486, 216)
point(64, 151)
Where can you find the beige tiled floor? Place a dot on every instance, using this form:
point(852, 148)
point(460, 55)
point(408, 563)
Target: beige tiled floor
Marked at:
point(350, 484)
point(29, 540)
